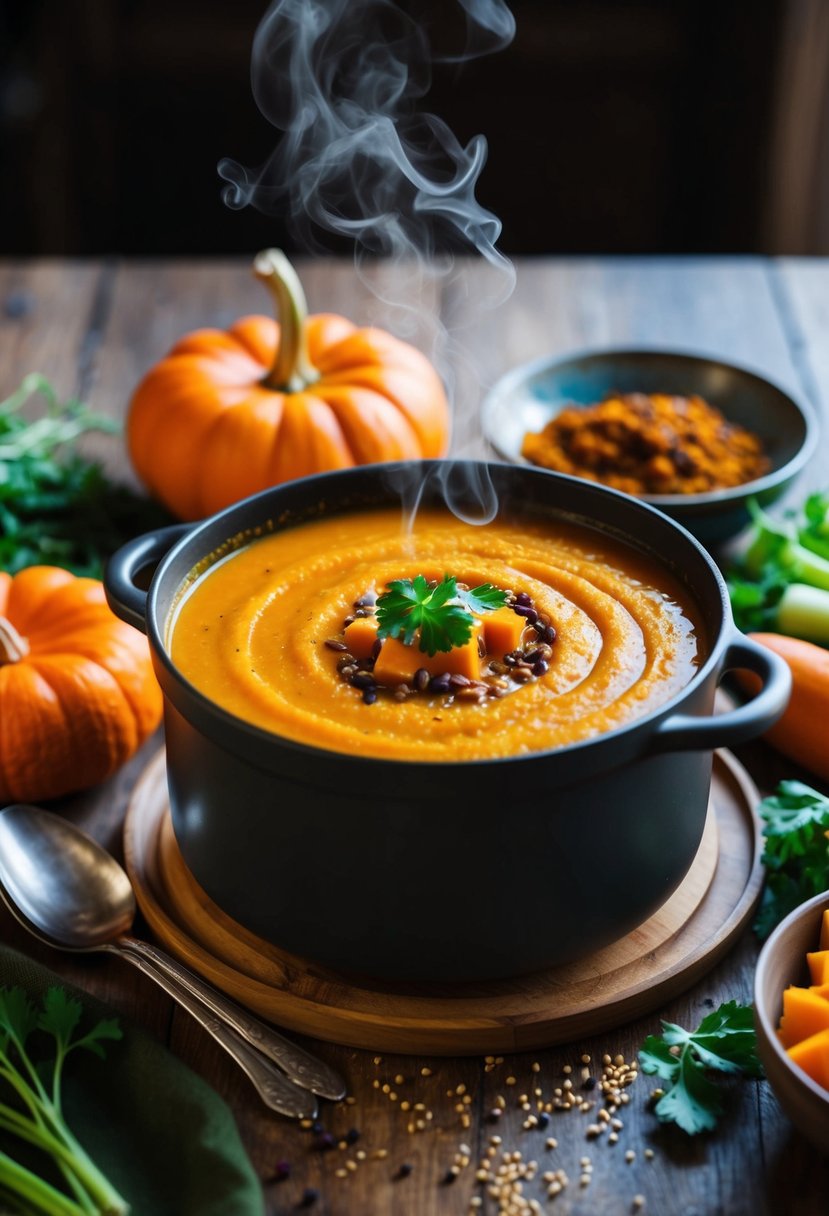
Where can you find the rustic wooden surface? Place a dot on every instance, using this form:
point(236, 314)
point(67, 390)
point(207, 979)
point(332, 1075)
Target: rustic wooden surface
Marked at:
point(94, 328)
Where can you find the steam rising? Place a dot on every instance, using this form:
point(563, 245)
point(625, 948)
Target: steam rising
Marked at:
point(340, 79)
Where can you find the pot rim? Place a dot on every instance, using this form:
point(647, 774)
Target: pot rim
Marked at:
point(619, 736)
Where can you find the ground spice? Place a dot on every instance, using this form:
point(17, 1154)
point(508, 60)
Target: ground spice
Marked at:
point(649, 444)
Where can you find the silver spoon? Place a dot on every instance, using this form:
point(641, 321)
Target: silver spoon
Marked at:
point(68, 891)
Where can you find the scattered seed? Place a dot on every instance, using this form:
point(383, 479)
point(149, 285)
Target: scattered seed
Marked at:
point(336, 644)
point(404, 1170)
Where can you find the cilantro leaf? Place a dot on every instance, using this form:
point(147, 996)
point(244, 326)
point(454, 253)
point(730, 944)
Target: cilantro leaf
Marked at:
point(796, 851)
point(657, 1059)
point(36, 1116)
point(440, 616)
point(693, 1102)
point(725, 1041)
point(483, 599)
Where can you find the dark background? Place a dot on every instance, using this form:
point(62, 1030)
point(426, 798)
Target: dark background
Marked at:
point(613, 127)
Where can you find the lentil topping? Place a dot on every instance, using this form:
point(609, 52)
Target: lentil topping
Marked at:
point(649, 444)
point(498, 674)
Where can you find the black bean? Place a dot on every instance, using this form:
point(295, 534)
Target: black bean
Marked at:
point(363, 679)
point(324, 1142)
point(404, 1170)
point(347, 660)
point(352, 1136)
point(540, 666)
point(370, 695)
point(421, 679)
point(543, 1119)
point(439, 683)
point(529, 614)
point(449, 1176)
point(365, 664)
point(334, 644)
point(590, 1082)
point(549, 634)
point(459, 681)
point(532, 656)
point(309, 1196)
point(523, 600)
point(510, 660)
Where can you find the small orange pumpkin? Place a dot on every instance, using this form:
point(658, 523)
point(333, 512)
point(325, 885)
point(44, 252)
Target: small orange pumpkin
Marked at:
point(211, 423)
point(77, 690)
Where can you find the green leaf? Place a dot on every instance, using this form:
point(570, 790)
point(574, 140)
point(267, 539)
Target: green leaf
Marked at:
point(657, 1058)
point(440, 617)
point(60, 1015)
point(693, 1103)
point(796, 851)
point(725, 1042)
point(483, 599)
point(18, 1016)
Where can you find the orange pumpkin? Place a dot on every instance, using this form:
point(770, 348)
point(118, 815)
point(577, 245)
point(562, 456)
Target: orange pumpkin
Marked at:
point(77, 690)
point(231, 412)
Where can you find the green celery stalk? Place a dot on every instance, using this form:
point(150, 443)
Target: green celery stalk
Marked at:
point(803, 612)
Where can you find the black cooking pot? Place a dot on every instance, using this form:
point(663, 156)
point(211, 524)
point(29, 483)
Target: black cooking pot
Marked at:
point(443, 871)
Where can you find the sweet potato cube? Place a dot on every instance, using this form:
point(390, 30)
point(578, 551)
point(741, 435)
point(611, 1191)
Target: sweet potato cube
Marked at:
point(804, 1014)
point(502, 630)
point(824, 931)
point(812, 1055)
point(818, 962)
point(397, 663)
point(821, 990)
point(360, 636)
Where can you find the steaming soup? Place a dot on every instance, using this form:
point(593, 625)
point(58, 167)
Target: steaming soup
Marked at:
point(261, 634)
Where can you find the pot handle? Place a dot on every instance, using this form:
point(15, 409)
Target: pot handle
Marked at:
point(125, 599)
point(684, 732)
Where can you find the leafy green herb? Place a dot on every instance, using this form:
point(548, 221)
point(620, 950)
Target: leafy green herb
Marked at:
point(796, 852)
point(30, 1107)
point(57, 507)
point(782, 582)
point(725, 1041)
point(440, 616)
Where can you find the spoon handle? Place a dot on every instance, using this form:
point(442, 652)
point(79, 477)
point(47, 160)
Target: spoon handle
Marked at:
point(303, 1068)
point(273, 1086)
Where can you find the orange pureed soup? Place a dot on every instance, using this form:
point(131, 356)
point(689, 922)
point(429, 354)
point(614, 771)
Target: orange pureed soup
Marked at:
point(251, 632)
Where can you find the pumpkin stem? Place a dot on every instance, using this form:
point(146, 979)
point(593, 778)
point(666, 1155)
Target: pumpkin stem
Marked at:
point(292, 369)
point(13, 647)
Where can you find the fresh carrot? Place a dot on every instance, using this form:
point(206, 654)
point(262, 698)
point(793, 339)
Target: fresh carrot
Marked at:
point(801, 733)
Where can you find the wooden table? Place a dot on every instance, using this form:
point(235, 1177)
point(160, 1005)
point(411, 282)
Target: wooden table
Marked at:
point(94, 328)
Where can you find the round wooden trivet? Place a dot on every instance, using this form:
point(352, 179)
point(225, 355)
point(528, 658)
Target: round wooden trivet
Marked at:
point(633, 976)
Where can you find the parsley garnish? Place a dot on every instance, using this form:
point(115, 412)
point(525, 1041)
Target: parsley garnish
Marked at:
point(30, 1105)
point(796, 853)
point(724, 1041)
point(440, 616)
point(57, 507)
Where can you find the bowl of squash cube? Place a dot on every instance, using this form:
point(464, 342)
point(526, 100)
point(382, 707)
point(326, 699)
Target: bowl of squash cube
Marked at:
point(791, 1010)
point(712, 412)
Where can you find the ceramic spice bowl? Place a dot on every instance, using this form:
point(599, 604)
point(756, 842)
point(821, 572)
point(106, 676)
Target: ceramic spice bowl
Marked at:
point(529, 396)
point(782, 962)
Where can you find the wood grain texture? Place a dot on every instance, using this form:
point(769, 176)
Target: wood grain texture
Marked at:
point(97, 328)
